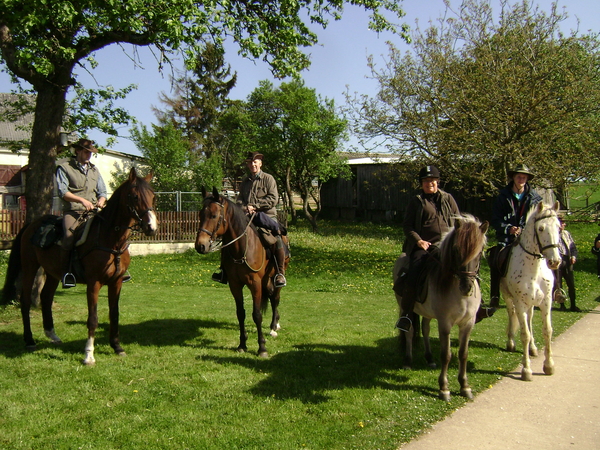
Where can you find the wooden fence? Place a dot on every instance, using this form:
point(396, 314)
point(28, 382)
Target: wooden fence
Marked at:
point(172, 226)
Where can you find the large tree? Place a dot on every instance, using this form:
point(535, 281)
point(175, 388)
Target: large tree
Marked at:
point(43, 41)
point(300, 135)
point(480, 92)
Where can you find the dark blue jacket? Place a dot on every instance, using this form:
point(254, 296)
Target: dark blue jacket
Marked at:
point(509, 212)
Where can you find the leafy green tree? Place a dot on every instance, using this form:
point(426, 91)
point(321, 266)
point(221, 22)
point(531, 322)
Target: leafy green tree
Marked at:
point(300, 135)
point(42, 42)
point(476, 96)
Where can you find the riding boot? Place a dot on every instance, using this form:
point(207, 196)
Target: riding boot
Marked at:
point(409, 295)
point(279, 279)
point(220, 276)
point(483, 313)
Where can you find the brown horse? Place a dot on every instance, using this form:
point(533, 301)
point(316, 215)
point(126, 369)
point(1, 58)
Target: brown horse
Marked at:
point(244, 259)
point(452, 297)
point(104, 257)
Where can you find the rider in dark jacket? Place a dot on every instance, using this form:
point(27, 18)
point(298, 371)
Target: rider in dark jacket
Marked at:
point(509, 214)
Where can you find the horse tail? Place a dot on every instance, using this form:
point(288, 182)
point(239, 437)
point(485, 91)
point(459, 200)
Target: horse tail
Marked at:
point(13, 270)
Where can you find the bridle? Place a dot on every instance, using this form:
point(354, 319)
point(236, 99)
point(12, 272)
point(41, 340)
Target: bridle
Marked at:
point(539, 255)
point(223, 221)
point(138, 217)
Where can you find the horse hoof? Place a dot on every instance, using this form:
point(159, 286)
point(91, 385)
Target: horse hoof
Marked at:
point(510, 348)
point(89, 362)
point(432, 365)
point(533, 352)
point(548, 370)
point(278, 326)
point(263, 354)
point(444, 395)
point(241, 350)
point(31, 348)
point(526, 375)
point(273, 333)
point(121, 353)
point(467, 393)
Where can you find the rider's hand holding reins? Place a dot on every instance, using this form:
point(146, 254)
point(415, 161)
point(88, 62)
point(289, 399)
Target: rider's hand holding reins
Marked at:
point(423, 244)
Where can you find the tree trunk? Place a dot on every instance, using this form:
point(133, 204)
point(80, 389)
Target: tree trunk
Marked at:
point(49, 111)
point(290, 195)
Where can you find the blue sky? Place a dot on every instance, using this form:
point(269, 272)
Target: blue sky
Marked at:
point(339, 62)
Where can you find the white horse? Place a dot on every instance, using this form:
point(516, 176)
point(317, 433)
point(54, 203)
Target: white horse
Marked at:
point(528, 283)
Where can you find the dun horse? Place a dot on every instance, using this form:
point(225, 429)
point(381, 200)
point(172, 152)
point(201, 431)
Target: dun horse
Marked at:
point(104, 258)
point(451, 296)
point(528, 283)
point(245, 261)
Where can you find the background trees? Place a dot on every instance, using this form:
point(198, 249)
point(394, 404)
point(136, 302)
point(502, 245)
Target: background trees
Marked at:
point(42, 42)
point(476, 95)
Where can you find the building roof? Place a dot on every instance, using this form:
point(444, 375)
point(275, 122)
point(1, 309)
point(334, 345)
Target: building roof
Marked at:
point(376, 160)
point(20, 129)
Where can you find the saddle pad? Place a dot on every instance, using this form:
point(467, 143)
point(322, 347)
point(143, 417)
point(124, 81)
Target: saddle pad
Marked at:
point(48, 233)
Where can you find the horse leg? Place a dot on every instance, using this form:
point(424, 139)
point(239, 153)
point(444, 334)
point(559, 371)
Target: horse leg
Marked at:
point(463, 355)
point(92, 322)
point(526, 373)
point(46, 299)
point(257, 317)
point(513, 324)
point(426, 329)
point(114, 293)
point(533, 350)
point(445, 356)
point(30, 267)
point(547, 332)
point(275, 297)
point(238, 296)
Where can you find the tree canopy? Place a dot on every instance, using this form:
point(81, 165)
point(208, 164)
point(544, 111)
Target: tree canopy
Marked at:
point(42, 42)
point(476, 95)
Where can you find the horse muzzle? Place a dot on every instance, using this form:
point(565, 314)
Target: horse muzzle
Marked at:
point(553, 263)
point(151, 226)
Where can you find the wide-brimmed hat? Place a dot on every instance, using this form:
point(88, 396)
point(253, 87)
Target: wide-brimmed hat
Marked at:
point(254, 155)
point(85, 144)
point(521, 168)
point(429, 172)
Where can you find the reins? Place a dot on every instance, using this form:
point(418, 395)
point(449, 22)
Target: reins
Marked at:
point(539, 255)
point(223, 220)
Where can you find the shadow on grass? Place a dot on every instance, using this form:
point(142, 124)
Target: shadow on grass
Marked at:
point(310, 371)
point(151, 333)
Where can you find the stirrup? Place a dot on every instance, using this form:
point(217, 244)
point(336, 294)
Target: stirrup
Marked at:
point(404, 326)
point(279, 280)
point(68, 281)
point(126, 277)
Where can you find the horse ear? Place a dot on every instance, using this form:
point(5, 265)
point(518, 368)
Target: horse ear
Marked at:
point(148, 177)
point(132, 175)
point(540, 207)
point(484, 227)
point(457, 222)
point(203, 191)
point(556, 206)
point(215, 193)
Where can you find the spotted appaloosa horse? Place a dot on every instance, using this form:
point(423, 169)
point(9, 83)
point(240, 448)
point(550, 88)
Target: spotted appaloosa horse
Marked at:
point(453, 297)
point(528, 283)
point(104, 257)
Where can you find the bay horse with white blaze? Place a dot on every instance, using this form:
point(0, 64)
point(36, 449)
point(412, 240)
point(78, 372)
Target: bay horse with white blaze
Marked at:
point(244, 259)
point(451, 295)
point(528, 283)
point(104, 257)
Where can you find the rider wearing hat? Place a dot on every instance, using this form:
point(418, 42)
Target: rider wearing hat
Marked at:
point(81, 187)
point(258, 197)
point(509, 214)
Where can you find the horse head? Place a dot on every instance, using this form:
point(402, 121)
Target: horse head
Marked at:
point(139, 199)
point(212, 221)
point(546, 233)
point(461, 250)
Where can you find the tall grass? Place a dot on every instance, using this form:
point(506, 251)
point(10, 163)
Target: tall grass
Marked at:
point(333, 379)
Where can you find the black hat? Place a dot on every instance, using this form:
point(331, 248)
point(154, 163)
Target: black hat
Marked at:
point(253, 155)
point(521, 168)
point(84, 144)
point(429, 172)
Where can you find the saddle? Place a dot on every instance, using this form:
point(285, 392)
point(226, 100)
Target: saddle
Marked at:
point(498, 256)
point(49, 232)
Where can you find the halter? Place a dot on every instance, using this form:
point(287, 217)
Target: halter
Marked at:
point(539, 255)
point(135, 214)
point(223, 220)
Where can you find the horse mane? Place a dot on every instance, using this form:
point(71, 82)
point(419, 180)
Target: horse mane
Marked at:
point(237, 217)
point(110, 211)
point(459, 246)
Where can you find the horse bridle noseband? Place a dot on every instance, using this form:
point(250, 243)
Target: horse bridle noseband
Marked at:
point(539, 255)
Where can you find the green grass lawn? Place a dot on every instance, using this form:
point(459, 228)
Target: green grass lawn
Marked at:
point(333, 379)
